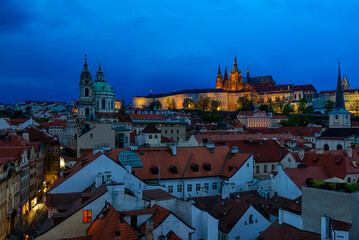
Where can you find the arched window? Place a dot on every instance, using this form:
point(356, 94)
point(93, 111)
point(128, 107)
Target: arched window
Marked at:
point(156, 136)
point(113, 105)
point(336, 117)
point(339, 147)
point(103, 104)
point(250, 219)
point(326, 147)
point(87, 92)
point(87, 111)
point(150, 137)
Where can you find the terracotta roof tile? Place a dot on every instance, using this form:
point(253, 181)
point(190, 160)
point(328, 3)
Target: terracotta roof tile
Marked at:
point(228, 211)
point(111, 225)
point(285, 231)
point(146, 117)
point(150, 128)
point(156, 194)
point(301, 174)
point(340, 225)
point(159, 215)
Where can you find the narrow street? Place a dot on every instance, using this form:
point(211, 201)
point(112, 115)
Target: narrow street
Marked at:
point(31, 222)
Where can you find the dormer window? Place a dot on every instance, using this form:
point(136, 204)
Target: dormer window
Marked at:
point(194, 167)
point(154, 170)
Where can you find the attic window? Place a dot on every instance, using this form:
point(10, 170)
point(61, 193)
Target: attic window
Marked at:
point(173, 169)
point(154, 170)
point(118, 233)
point(194, 167)
point(230, 167)
point(207, 166)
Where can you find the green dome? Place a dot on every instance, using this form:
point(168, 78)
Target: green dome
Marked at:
point(102, 87)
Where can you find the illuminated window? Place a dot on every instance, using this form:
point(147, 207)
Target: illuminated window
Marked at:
point(87, 216)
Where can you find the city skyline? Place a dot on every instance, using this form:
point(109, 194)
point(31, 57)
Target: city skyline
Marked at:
point(167, 47)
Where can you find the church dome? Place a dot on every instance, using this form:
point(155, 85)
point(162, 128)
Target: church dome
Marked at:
point(102, 87)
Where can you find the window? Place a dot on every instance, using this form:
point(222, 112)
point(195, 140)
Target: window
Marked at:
point(170, 189)
point(339, 147)
point(250, 219)
point(326, 147)
point(150, 136)
point(349, 180)
point(177, 131)
point(265, 168)
point(206, 186)
point(171, 131)
point(87, 216)
point(257, 169)
point(198, 186)
point(247, 164)
point(336, 117)
point(103, 104)
point(272, 167)
point(179, 188)
point(214, 186)
point(156, 136)
point(165, 131)
point(189, 188)
point(237, 238)
point(86, 92)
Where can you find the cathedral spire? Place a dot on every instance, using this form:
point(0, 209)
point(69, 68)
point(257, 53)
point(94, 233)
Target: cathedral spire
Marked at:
point(235, 68)
point(225, 73)
point(219, 69)
point(99, 74)
point(248, 71)
point(339, 97)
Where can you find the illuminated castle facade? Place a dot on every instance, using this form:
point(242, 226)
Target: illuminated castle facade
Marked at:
point(260, 90)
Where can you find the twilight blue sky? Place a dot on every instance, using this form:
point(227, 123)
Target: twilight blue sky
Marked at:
point(171, 45)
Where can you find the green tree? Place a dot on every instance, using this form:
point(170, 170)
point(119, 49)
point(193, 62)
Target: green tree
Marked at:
point(188, 104)
point(354, 106)
point(156, 104)
point(309, 110)
point(264, 107)
point(215, 105)
point(170, 103)
point(288, 109)
point(244, 104)
point(302, 105)
point(329, 106)
point(204, 103)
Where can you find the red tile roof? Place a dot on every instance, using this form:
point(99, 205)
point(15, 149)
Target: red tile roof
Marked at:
point(228, 211)
point(340, 225)
point(307, 87)
point(285, 231)
point(111, 225)
point(150, 128)
point(156, 194)
point(146, 117)
point(301, 174)
point(172, 236)
point(297, 131)
point(222, 162)
point(335, 162)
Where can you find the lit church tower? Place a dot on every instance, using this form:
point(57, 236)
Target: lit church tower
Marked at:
point(86, 103)
point(225, 80)
point(234, 76)
point(219, 84)
point(339, 117)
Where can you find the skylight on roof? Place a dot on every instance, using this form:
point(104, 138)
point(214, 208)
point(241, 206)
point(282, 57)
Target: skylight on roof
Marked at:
point(129, 158)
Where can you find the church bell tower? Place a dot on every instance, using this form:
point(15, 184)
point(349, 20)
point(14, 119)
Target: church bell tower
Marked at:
point(86, 103)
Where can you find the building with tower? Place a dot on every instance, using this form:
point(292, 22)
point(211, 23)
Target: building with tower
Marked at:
point(260, 90)
point(94, 124)
point(339, 117)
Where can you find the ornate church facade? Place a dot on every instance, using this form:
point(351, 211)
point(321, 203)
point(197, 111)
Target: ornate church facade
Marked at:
point(97, 96)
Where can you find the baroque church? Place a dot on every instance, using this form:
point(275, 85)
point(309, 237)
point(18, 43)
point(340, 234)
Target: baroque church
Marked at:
point(237, 82)
point(95, 96)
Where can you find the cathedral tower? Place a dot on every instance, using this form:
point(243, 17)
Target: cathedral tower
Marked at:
point(219, 84)
point(345, 83)
point(86, 103)
point(339, 117)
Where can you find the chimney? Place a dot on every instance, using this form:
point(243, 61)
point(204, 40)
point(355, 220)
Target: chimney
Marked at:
point(349, 152)
point(234, 149)
point(99, 180)
point(319, 151)
point(225, 191)
point(281, 141)
point(325, 228)
point(26, 136)
point(107, 176)
point(173, 149)
point(280, 216)
point(301, 154)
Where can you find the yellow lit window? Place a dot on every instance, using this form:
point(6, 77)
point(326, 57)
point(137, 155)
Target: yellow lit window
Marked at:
point(87, 216)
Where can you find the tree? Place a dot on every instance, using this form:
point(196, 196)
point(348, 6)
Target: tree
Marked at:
point(288, 109)
point(329, 106)
point(204, 103)
point(264, 107)
point(302, 105)
point(170, 103)
point(156, 104)
point(188, 104)
point(244, 104)
point(215, 105)
point(309, 110)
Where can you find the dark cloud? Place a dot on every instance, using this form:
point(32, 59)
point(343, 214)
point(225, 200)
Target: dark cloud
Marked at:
point(13, 16)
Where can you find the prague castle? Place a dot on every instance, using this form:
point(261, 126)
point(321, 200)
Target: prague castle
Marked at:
point(260, 90)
